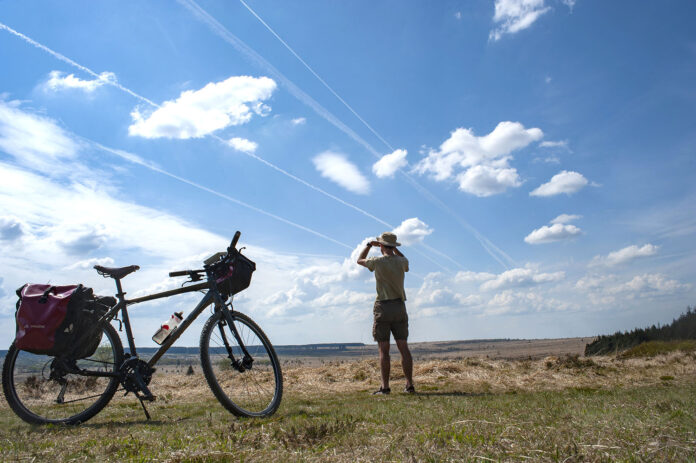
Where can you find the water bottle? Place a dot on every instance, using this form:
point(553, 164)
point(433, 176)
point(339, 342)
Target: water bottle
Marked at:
point(167, 327)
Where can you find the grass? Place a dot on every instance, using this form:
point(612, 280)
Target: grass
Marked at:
point(563, 409)
point(653, 348)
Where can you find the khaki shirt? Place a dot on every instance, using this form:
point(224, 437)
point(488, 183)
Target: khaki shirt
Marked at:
point(389, 273)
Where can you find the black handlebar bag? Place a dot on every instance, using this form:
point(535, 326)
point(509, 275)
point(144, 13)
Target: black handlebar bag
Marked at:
point(51, 318)
point(233, 274)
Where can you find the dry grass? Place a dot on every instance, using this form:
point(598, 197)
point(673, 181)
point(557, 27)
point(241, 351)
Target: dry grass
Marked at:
point(562, 408)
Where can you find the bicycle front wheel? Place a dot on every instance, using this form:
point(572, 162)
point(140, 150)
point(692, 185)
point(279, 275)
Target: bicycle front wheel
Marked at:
point(246, 386)
point(42, 389)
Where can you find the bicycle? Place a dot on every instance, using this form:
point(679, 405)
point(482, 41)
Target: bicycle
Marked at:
point(238, 361)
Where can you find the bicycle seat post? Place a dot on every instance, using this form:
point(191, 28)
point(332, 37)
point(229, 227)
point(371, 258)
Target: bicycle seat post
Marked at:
point(124, 315)
point(119, 291)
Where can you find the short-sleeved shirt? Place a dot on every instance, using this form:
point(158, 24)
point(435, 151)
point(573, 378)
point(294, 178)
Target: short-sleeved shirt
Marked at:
point(389, 274)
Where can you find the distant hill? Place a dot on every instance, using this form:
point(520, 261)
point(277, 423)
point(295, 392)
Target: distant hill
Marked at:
point(306, 349)
point(681, 328)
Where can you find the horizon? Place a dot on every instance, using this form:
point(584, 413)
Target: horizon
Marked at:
point(535, 159)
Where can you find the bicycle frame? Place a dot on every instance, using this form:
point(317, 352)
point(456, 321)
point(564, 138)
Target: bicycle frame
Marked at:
point(212, 296)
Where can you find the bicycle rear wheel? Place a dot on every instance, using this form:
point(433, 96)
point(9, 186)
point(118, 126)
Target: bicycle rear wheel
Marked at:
point(40, 390)
point(252, 388)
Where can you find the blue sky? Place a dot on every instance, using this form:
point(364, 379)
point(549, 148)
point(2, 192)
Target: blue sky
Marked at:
point(535, 157)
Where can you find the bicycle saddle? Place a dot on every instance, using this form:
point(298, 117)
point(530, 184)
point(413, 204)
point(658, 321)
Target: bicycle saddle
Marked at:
point(116, 272)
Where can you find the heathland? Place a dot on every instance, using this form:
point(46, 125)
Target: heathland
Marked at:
point(494, 401)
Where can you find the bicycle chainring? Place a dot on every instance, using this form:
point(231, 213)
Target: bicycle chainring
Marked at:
point(133, 368)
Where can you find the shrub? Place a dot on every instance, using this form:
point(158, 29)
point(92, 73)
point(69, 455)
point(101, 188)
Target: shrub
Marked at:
point(681, 328)
point(653, 348)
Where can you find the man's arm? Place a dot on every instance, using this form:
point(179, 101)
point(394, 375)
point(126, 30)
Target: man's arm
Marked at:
point(362, 257)
point(400, 254)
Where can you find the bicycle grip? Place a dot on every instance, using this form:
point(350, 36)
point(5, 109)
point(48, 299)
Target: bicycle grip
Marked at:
point(179, 273)
point(237, 234)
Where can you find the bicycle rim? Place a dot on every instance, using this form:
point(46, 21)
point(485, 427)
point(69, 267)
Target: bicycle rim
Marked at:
point(39, 397)
point(256, 391)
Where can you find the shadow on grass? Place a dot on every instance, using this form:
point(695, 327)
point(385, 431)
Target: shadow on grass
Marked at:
point(450, 394)
point(128, 423)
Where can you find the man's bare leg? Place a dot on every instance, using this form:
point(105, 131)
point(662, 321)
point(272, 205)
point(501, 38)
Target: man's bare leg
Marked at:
point(384, 362)
point(406, 361)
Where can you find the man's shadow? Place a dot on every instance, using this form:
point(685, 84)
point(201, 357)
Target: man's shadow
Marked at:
point(451, 394)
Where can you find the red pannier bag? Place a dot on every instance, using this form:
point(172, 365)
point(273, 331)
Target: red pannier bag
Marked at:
point(40, 316)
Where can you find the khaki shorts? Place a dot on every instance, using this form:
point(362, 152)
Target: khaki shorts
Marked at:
point(390, 316)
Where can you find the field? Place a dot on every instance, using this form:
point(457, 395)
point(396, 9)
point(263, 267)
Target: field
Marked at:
point(470, 406)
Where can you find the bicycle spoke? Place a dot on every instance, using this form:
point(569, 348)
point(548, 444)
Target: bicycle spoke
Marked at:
point(41, 390)
point(256, 390)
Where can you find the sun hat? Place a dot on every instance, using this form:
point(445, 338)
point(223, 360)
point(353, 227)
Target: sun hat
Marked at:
point(388, 239)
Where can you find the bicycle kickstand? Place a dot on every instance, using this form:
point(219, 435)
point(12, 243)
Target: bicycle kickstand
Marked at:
point(142, 404)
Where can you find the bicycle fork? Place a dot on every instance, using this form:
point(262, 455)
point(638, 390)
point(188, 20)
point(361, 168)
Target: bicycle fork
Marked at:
point(245, 363)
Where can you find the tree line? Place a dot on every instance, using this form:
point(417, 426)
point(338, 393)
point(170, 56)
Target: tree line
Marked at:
point(681, 328)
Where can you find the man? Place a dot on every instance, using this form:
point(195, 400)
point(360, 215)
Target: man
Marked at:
point(390, 309)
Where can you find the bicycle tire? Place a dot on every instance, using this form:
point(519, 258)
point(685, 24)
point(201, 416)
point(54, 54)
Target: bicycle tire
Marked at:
point(255, 392)
point(35, 397)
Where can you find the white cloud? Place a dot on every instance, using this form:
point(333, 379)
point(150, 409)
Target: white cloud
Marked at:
point(512, 16)
point(11, 228)
point(390, 163)
point(626, 254)
point(650, 284)
point(90, 263)
point(337, 168)
point(299, 121)
point(517, 277)
point(153, 232)
point(197, 113)
point(468, 276)
point(243, 145)
point(58, 80)
point(35, 141)
point(479, 164)
point(569, 3)
point(567, 182)
point(524, 302)
point(555, 232)
point(412, 231)
point(485, 181)
point(554, 144)
point(565, 218)
point(608, 288)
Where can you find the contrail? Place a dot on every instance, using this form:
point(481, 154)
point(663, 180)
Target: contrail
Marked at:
point(130, 157)
point(277, 74)
point(149, 165)
point(317, 76)
point(65, 59)
point(488, 246)
point(260, 61)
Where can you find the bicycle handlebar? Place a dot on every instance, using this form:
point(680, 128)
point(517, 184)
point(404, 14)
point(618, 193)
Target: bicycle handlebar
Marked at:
point(184, 273)
point(233, 244)
point(210, 260)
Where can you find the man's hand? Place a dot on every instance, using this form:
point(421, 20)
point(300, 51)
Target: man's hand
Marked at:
point(363, 254)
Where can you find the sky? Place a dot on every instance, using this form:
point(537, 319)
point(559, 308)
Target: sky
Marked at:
point(536, 159)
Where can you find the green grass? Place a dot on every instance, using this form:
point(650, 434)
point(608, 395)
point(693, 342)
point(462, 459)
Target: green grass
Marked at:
point(646, 423)
point(653, 348)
